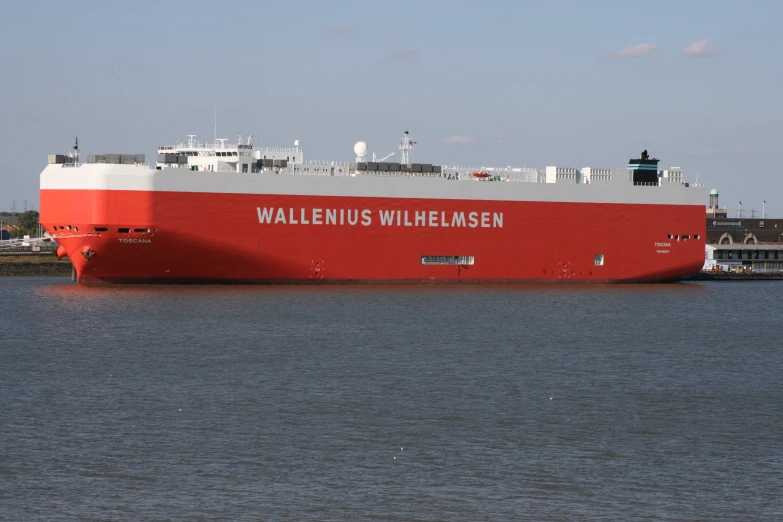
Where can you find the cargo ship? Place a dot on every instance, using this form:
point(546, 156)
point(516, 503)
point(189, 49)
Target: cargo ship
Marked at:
point(234, 213)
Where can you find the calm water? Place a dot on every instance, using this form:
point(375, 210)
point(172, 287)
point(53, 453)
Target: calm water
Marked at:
point(535, 403)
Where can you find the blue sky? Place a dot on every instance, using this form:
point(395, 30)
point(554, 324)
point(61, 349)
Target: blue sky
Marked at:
point(697, 83)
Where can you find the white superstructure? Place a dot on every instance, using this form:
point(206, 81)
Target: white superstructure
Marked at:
point(243, 157)
point(221, 167)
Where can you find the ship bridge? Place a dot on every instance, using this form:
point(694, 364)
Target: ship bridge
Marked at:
point(221, 156)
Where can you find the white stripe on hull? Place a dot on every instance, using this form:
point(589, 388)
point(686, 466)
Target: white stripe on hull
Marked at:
point(139, 178)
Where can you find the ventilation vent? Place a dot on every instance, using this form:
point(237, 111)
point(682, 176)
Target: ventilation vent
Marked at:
point(599, 259)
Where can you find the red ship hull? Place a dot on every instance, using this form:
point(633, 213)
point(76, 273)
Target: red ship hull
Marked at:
point(202, 237)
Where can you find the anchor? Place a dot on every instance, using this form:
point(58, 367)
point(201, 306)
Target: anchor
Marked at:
point(88, 253)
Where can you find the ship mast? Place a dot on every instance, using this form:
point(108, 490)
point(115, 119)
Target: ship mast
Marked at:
point(75, 154)
point(405, 147)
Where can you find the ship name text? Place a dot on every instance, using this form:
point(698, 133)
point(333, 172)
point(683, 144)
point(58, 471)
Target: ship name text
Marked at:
point(134, 240)
point(386, 218)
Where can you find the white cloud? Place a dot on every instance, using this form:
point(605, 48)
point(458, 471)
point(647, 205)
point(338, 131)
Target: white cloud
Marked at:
point(404, 53)
point(634, 51)
point(700, 48)
point(342, 29)
point(457, 140)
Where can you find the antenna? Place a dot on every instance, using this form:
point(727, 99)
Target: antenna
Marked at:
point(191, 139)
point(76, 151)
point(214, 132)
point(360, 149)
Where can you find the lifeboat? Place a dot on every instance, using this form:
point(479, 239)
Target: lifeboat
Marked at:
point(481, 175)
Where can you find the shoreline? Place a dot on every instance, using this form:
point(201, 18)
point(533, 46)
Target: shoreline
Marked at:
point(20, 265)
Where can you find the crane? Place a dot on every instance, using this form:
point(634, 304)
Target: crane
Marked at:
point(376, 159)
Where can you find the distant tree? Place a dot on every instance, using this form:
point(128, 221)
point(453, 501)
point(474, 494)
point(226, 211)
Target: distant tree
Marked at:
point(29, 220)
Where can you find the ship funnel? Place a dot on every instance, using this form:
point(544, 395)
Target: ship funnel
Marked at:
point(644, 169)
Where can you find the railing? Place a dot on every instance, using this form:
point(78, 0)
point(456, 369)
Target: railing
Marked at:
point(454, 172)
point(322, 163)
point(49, 247)
point(280, 149)
point(214, 146)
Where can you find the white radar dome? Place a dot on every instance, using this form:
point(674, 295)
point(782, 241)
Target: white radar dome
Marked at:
point(360, 148)
point(296, 143)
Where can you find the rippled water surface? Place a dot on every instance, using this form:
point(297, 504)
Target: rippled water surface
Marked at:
point(522, 403)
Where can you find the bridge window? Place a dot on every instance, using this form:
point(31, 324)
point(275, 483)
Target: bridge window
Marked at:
point(100, 229)
point(141, 230)
point(123, 230)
